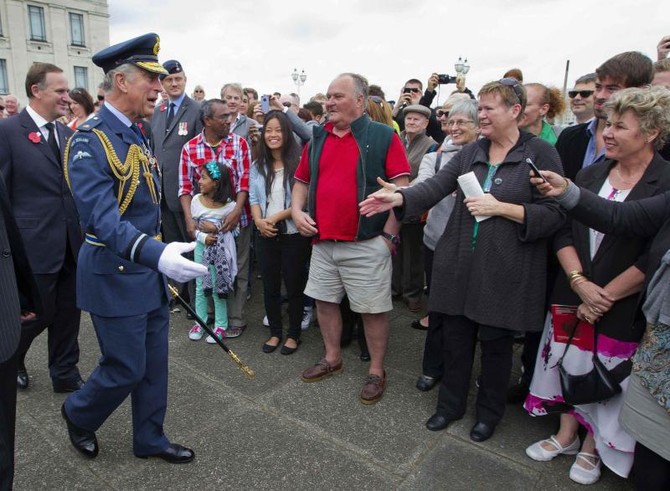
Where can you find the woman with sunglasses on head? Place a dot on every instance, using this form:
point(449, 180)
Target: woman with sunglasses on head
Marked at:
point(489, 276)
point(282, 252)
point(81, 107)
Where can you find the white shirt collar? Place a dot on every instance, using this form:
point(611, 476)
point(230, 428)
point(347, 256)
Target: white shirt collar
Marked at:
point(39, 120)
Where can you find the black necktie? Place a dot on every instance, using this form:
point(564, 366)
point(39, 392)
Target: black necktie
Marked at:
point(170, 116)
point(51, 140)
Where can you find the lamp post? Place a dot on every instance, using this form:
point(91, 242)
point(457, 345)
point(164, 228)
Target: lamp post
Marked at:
point(299, 78)
point(462, 68)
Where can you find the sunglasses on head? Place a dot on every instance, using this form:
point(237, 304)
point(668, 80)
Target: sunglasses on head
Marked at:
point(582, 93)
point(514, 85)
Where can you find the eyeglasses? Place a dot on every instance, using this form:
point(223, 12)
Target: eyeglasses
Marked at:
point(407, 90)
point(514, 85)
point(582, 93)
point(441, 112)
point(459, 123)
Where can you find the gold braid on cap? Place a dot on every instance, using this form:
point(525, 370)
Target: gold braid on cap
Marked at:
point(124, 172)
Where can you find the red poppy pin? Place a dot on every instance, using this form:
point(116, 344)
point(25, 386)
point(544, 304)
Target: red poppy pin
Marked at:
point(163, 108)
point(35, 137)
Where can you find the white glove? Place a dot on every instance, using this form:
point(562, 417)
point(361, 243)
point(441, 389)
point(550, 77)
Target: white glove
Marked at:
point(173, 265)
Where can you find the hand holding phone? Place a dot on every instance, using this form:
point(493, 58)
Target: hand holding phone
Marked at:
point(535, 170)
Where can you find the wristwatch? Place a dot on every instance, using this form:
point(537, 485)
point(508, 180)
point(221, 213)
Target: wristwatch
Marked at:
point(394, 239)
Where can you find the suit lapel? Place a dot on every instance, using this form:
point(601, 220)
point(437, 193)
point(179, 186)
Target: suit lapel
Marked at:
point(29, 127)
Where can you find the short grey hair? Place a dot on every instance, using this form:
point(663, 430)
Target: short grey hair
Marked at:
point(207, 108)
point(589, 78)
point(467, 107)
point(108, 82)
point(361, 85)
point(235, 86)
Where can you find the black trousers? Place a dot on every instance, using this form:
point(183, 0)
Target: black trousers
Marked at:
point(432, 350)
point(408, 270)
point(651, 472)
point(173, 228)
point(459, 336)
point(7, 421)
point(61, 318)
point(283, 258)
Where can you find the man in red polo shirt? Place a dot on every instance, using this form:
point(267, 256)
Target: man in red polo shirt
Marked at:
point(352, 253)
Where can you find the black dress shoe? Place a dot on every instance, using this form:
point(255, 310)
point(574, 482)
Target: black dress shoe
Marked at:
point(285, 350)
point(83, 440)
point(481, 432)
point(22, 380)
point(438, 422)
point(425, 382)
point(63, 386)
point(416, 324)
point(174, 454)
point(365, 356)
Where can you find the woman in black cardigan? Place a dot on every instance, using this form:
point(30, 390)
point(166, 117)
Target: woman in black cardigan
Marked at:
point(489, 276)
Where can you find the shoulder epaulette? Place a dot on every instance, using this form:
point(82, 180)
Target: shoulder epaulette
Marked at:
point(89, 124)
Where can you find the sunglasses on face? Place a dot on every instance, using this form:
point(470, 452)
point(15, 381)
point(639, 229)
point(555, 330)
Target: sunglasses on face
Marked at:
point(514, 85)
point(286, 104)
point(101, 98)
point(582, 93)
point(2, 108)
point(407, 90)
point(441, 112)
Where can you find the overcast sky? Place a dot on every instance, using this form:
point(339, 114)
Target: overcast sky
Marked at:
point(259, 43)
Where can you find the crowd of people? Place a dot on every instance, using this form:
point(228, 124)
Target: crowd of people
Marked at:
point(348, 202)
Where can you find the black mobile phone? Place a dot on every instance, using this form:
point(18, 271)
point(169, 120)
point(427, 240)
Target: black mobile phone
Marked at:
point(535, 170)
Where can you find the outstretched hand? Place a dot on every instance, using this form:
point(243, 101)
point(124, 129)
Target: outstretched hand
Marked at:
point(381, 200)
point(554, 184)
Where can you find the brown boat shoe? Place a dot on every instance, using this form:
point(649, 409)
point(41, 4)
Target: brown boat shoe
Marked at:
point(320, 371)
point(373, 388)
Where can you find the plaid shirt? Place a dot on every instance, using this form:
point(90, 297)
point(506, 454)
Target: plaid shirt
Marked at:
point(233, 152)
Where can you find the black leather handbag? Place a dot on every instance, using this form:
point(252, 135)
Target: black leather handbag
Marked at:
point(597, 385)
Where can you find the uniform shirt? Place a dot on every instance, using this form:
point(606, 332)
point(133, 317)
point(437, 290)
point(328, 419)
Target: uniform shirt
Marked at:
point(336, 188)
point(233, 152)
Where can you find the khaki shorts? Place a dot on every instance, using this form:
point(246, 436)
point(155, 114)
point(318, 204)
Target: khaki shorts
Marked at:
point(362, 270)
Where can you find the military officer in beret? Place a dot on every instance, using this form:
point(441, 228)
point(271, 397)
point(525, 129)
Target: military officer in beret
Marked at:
point(121, 278)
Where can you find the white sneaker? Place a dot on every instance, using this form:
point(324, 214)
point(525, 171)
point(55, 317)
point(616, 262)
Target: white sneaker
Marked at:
point(219, 332)
point(306, 318)
point(537, 452)
point(588, 474)
point(195, 334)
point(266, 322)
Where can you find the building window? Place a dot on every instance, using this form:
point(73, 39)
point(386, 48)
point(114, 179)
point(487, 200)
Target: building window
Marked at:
point(81, 77)
point(77, 29)
point(38, 30)
point(4, 86)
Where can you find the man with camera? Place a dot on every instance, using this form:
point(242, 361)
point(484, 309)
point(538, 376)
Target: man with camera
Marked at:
point(411, 95)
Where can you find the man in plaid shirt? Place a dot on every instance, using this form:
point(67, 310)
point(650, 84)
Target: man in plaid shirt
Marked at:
point(217, 143)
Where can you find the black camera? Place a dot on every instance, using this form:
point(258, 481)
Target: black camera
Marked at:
point(444, 79)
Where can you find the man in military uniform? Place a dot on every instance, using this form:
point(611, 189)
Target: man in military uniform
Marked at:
point(123, 264)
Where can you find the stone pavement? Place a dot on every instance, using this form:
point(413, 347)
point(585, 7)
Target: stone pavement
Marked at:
point(276, 432)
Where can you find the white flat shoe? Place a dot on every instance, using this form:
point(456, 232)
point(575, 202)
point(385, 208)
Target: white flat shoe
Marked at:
point(585, 475)
point(537, 452)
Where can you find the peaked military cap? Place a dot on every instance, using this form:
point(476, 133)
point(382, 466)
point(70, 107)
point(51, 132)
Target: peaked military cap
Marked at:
point(141, 51)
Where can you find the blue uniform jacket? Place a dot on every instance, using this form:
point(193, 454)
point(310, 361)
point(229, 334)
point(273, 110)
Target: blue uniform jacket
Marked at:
point(119, 277)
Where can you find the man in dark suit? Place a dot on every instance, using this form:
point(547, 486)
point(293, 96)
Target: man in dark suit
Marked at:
point(173, 124)
point(31, 156)
point(20, 302)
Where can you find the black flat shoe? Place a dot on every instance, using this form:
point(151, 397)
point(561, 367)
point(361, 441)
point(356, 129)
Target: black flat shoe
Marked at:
point(416, 324)
point(285, 350)
point(481, 432)
point(22, 380)
point(83, 440)
point(64, 386)
point(424, 383)
point(438, 422)
point(174, 454)
point(365, 356)
point(268, 348)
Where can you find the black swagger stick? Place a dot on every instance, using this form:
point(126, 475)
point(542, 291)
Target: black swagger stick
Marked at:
point(241, 365)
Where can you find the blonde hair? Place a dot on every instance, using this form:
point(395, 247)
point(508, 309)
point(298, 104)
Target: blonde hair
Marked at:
point(651, 105)
point(553, 97)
